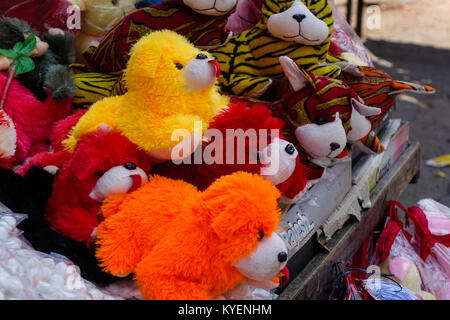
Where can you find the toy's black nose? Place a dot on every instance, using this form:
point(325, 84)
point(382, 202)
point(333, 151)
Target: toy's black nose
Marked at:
point(290, 149)
point(299, 17)
point(202, 56)
point(334, 146)
point(282, 256)
point(129, 166)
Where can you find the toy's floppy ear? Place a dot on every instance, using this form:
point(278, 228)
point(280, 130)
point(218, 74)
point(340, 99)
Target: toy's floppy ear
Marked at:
point(296, 76)
point(145, 57)
point(224, 226)
point(365, 110)
point(240, 199)
point(81, 164)
point(82, 161)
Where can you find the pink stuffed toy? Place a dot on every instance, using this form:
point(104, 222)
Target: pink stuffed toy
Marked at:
point(26, 122)
point(247, 14)
point(262, 151)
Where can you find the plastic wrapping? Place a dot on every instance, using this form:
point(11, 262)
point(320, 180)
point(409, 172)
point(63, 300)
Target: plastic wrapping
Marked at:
point(41, 15)
point(346, 40)
point(379, 286)
point(427, 252)
point(438, 220)
point(252, 290)
point(27, 274)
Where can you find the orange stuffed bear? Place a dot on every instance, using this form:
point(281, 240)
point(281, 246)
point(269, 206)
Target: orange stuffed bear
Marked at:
point(184, 244)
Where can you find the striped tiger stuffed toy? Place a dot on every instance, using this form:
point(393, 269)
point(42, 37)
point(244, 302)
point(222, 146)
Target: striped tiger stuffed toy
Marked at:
point(94, 86)
point(320, 116)
point(298, 29)
point(202, 22)
point(378, 89)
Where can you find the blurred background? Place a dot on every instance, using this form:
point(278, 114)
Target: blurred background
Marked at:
point(410, 39)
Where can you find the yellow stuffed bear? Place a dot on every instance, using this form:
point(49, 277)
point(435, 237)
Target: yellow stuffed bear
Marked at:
point(171, 86)
point(97, 18)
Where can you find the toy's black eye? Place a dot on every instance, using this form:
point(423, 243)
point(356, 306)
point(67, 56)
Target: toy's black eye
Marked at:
point(99, 173)
point(283, 9)
point(350, 129)
point(130, 166)
point(260, 235)
point(313, 12)
point(320, 120)
point(179, 66)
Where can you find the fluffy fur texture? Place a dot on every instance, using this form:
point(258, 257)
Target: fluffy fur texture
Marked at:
point(33, 119)
point(51, 73)
point(28, 194)
point(181, 243)
point(71, 210)
point(249, 60)
point(201, 29)
point(157, 102)
point(238, 117)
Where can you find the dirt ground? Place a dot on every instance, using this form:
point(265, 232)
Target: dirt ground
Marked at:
point(413, 44)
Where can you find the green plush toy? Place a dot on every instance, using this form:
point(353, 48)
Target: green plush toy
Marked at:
point(298, 29)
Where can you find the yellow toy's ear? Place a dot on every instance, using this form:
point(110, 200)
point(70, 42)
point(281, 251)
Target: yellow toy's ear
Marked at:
point(79, 3)
point(145, 57)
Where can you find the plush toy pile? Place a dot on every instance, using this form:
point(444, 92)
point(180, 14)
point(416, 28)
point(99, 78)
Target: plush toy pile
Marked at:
point(159, 141)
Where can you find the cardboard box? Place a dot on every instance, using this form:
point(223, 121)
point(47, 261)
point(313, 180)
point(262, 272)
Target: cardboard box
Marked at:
point(360, 193)
point(349, 207)
point(303, 219)
point(369, 169)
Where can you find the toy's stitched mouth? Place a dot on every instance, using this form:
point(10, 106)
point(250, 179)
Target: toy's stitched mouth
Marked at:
point(213, 8)
point(300, 34)
point(137, 182)
point(319, 156)
point(217, 66)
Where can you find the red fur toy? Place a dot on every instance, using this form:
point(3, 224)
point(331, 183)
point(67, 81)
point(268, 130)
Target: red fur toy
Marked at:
point(103, 163)
point(255, 132)
point(32, 121)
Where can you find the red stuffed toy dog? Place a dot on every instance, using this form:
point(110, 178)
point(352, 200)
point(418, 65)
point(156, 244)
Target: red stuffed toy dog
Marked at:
point(26, 123)
point(104, 162)
point(257, 147)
